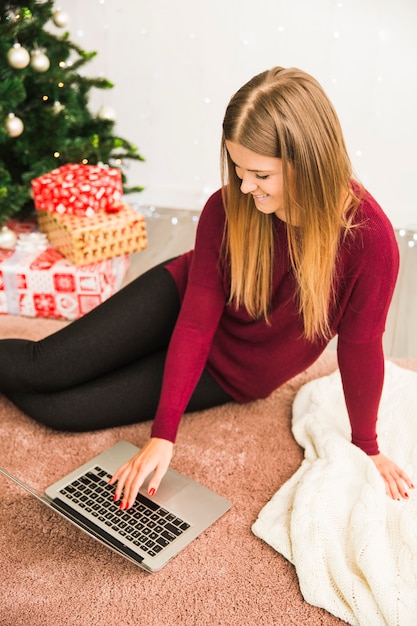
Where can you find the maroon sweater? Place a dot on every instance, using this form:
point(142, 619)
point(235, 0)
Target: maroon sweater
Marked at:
point(250, 359)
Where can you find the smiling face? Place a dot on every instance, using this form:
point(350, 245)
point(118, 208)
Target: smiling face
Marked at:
point(260, 176)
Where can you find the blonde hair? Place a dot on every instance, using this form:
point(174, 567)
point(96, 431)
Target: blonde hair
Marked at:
point(285, 113)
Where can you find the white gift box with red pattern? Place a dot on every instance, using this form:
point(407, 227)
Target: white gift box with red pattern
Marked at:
point(43, 283)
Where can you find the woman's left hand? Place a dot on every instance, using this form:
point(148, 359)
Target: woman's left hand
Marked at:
point(396, 481)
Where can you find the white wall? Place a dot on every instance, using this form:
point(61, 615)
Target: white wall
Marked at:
point(175, 65)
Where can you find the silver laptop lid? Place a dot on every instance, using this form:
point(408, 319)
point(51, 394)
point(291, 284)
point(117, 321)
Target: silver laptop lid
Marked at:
point(181, 496)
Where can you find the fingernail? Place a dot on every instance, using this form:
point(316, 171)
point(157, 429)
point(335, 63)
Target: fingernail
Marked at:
point(121, 506)
point(151, 492)
point(406, 495)
point(115, 497)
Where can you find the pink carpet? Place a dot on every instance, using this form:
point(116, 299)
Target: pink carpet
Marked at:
point(52, 574)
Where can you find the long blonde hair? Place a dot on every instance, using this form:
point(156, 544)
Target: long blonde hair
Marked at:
point(285, 113)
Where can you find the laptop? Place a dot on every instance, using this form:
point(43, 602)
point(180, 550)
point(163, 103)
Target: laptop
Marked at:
point(152, 531)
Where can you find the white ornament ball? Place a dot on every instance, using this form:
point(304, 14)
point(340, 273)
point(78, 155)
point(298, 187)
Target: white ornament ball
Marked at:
point(60, 18)
point(39, 61)
point(107, 113)
point(58, 107)
point(18, 57)
point(7, 238)
point(14, 125)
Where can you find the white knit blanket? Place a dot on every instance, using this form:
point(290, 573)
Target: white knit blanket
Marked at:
point(353, 547)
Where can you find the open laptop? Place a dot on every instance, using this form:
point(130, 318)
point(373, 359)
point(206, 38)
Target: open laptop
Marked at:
point(152, 531)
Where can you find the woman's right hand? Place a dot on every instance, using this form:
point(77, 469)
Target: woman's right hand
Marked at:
point(155, 456)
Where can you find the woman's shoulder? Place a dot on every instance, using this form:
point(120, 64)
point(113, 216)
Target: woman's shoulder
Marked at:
point(370, 242)
point(213, 215)
point(214, 203)
point(371, 224)
point(369, 212)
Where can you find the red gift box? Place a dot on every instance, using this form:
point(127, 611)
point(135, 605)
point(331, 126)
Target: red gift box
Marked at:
point(77, 189)
point(42, 283)
point(79, 207)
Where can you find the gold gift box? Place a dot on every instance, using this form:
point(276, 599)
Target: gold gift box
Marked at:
point(85, 240)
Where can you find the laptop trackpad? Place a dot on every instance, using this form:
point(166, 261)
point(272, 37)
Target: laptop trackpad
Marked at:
point(171, 484)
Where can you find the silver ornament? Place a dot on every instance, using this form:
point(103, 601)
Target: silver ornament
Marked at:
point(18, 57)
point(14, 125)
point(60, 18)
point(107, 113)
point(7, 238)
point(39, 61)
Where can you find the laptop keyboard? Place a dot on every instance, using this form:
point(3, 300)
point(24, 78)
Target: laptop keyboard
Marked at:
point(146, 525)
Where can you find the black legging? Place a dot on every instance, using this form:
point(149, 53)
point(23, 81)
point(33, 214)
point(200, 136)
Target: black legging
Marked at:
point(106, 368)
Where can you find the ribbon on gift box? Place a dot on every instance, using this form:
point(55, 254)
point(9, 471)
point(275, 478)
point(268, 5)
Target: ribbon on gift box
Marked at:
point(32, 242)
point(78, 189)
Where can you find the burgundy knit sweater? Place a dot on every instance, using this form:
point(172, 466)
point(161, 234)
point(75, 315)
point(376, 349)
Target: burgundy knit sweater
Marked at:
point(250, 359)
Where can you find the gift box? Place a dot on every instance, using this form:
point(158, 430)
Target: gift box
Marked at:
point(77, 189)
point(79, 208)
point(37, 281)
point(102, 235)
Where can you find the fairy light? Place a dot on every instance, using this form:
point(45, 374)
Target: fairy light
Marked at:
point(331, 61)
point(409, 236)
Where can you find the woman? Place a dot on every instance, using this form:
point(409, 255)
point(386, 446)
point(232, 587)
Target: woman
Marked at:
point(290, 253)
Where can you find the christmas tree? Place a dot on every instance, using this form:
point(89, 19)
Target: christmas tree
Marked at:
point(45, 121)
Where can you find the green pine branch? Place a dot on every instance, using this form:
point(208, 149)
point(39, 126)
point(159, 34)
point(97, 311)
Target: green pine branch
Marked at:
point(59, 127)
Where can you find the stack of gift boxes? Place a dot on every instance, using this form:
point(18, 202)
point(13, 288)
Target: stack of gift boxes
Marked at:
point(75, 254)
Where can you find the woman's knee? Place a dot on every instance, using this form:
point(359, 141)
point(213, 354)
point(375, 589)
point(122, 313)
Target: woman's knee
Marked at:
point(41, 408)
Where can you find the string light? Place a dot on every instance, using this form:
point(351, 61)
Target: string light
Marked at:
point(180, 217)
point(330, 59)
point(410, 236)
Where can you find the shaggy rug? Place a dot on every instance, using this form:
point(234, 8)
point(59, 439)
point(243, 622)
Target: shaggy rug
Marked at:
point(51, 573)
